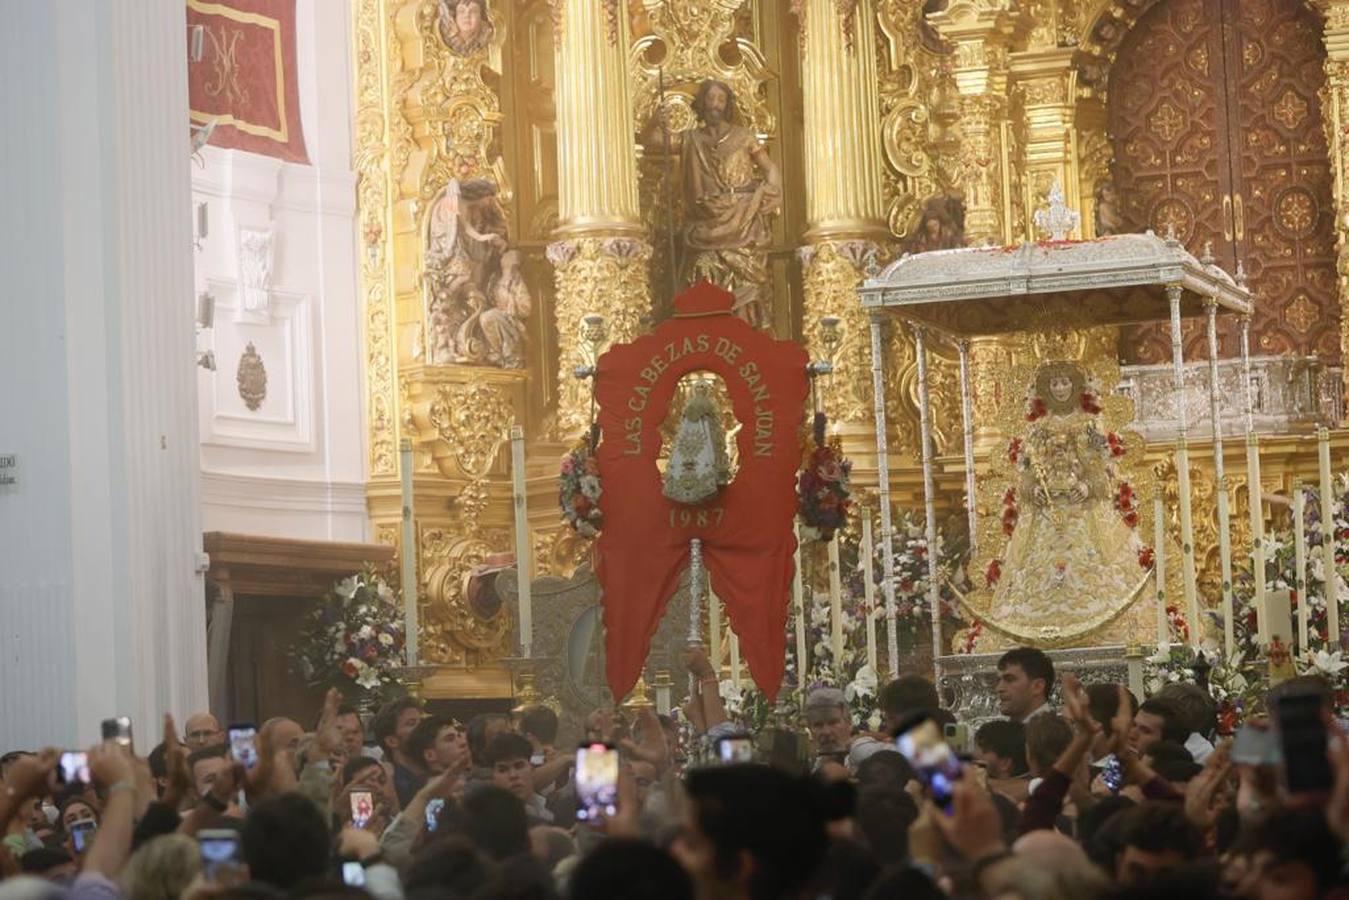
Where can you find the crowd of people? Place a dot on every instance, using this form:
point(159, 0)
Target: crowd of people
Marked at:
point(1078, 792)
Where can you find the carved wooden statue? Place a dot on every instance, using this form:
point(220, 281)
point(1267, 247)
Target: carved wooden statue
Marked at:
point(733, 189)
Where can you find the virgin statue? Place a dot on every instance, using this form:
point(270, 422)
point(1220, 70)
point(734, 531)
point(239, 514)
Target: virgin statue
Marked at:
point(1073, 560)
point(699, 466)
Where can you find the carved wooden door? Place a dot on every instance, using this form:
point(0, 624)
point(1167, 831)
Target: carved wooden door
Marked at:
point(1284, 211)
point(1214, 113)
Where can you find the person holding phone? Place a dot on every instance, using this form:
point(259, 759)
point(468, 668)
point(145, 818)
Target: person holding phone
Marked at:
point(207, 766)
point(363, 809)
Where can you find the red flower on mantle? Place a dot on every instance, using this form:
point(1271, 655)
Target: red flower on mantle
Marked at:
point(1117, 447)
point(993, 573)
point(1146, 557)
point(1124, 502)
point(1036, 409)
point(1010, 512)
point(1089, 404)
point(1014, 450)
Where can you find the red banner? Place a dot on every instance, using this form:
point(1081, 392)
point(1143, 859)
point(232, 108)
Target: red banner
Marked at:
point(246, 79)
point(746, 529)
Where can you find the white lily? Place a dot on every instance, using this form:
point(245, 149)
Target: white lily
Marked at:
point(1330, 664)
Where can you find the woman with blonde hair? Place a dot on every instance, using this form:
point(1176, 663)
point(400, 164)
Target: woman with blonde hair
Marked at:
point(161, 869)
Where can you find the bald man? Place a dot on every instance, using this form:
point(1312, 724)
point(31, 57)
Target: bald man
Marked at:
point(202, 730)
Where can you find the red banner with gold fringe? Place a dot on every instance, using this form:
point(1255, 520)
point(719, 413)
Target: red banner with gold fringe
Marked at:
point(246, 79)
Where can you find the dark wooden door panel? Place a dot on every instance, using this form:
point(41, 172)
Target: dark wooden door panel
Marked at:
point(1285, 207)
point(1216, 121)
point(1169, 120)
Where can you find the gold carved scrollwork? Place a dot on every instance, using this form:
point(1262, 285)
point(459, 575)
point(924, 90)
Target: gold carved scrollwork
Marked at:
point(919, 112)
point(605, 276)
point(981, 152)
point(1335, 107)
point(683, 47)
point(560, 552)
point(474, 420)
point(370, 160)
point(454, 630)
point(454, 112)
point(833, 269)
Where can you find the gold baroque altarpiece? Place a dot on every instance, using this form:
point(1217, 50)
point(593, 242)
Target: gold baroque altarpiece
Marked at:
point(897, 125)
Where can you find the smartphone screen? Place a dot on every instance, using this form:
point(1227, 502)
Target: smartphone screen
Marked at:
point(932, 759)
point(74, 767)
point(1113, 774)
point(243, 744)
point(1303, 739)
point(596, 782)
point(1256, 747)
point(737, 749)
point(433, 808)
point(219, 854)
point(82, 834)
point(362, 808)
point(118, 729)
point(353, 874)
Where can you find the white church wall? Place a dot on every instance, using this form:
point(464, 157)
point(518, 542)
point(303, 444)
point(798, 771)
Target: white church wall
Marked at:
point(101, 609)
point(279, 259)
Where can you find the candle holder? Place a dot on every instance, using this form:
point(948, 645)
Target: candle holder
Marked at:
point(1201, 667)
point(1133, 660)
point(664, 686)
point(594, 335)
point(528, 695)
point(413, 676)
point(831, 337)
point(640, 698)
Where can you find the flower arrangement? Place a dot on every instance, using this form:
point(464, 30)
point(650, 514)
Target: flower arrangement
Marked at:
point(851, 673)
point(1239, 683)
point(353, 640)
point(913, 615)
point(823, 494)
point(1228, 680)
point(579, 491)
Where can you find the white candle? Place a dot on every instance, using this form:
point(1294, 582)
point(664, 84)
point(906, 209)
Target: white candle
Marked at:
point(1328, 542)
point(864, 565)
point(1187, 544)
point(409, 568)
point(1159, 566)
point(1300, 560)
point(799, 604)
point(714, 628)
point(1133, 663)
point(836, 608)
point(524, 562)
point(1257, 538)
point(733, 640)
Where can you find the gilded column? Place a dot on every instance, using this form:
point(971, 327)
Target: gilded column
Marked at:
point(600, 256)
point(845, 203)
point(1046, 79)
point(1335, 104)
point(980, 33)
